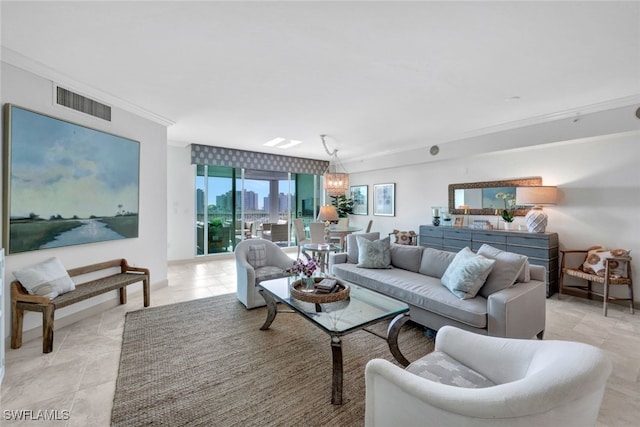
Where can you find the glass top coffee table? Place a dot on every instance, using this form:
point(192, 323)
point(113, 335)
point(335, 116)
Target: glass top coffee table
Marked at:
point(361, 309)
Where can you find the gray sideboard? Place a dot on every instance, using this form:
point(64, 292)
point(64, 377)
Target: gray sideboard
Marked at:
point(540, 248)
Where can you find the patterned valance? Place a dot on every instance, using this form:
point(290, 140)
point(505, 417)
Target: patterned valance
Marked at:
point(221, 156)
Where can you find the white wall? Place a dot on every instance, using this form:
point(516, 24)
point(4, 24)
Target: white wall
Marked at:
point(598, 178)
point(150, 248)
point(181, 209)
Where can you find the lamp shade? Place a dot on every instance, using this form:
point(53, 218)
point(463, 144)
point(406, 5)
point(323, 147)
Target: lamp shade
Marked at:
point(536, 196)
point(328, 213)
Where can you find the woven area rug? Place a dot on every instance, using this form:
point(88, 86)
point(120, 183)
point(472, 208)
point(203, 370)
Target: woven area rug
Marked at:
point(207, 363)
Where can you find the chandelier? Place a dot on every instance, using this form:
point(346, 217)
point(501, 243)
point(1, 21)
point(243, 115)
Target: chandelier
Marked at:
point(336, 183)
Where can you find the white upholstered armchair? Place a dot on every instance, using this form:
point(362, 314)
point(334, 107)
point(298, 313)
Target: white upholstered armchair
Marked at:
point(477, 380)
point(256, 260)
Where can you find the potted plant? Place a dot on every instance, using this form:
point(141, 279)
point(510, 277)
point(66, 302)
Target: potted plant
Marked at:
point(508, 213)
point(343, 205)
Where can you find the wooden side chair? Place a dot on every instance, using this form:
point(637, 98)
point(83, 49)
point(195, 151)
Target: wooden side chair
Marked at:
point(608, 267)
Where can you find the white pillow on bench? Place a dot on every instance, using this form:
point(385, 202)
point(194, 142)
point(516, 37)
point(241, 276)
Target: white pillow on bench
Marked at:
point(48, 278)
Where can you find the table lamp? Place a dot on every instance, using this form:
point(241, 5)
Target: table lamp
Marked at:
point(327, 214)
point(536, 197)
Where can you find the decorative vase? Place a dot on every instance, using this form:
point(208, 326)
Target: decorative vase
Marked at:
point(508, 225)
point(307, 284)
point(436, 221)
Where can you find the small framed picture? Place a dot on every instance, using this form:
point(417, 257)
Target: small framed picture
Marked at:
point(360, 199)
point(384, 199)
point(458, 221)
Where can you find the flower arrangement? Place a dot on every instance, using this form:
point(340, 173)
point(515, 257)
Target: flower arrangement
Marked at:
point(302, 268)
point(508, 213)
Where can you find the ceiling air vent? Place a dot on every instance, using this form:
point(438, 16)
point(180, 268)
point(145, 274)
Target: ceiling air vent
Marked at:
point(82, 103)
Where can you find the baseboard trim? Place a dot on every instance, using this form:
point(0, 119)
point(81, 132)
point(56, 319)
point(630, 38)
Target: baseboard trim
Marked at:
point(36, 333)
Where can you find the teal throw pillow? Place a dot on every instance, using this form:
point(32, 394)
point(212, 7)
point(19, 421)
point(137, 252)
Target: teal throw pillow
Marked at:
point(373, 254)
point(467, 273)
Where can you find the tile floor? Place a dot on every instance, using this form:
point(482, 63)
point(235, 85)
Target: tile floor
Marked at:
point(79, 375)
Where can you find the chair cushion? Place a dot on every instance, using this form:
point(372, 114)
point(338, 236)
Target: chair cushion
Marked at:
point(406, 257)
point(444, 369)
point(257, 256)
point(596, 258)
point(48, 278)
point(373, 254)
point(504, 273)
point(269, 272)
point(467, 273)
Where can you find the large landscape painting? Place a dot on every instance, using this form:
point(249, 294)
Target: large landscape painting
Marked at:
point(66, 184)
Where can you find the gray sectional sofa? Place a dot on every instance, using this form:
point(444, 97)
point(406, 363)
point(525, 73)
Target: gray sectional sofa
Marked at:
point(517, 311)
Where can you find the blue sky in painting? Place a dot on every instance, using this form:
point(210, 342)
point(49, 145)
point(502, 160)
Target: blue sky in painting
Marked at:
point(59, 168)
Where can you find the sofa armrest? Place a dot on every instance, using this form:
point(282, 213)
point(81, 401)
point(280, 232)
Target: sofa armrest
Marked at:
point(538, 272)
point(336, 258)
point(518, 311)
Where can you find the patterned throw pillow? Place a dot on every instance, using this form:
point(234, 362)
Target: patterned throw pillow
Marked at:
point(257, 256)
point(466, 273)
point(373, 254)
point(595, 262)
point(404, 237)
point(48, 278)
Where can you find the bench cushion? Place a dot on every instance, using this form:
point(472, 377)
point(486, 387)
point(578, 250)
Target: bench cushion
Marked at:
point(48, 278)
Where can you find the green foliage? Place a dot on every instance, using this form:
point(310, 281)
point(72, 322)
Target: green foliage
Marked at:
point(343, 204)
point(216, 222)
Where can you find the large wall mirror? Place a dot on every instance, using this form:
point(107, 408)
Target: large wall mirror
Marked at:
point(484, 198)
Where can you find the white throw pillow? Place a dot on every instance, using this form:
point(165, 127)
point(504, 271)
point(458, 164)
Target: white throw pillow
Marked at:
point(257, 256)
point(466, 274)
point(48, 278)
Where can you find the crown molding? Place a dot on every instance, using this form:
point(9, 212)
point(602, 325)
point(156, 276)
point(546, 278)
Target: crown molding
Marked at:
point(18, 60)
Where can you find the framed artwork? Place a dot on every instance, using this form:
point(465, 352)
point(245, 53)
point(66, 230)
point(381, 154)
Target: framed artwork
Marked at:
point(458, 221)
point(384, 199)
point(66, 184)
point(360, 199)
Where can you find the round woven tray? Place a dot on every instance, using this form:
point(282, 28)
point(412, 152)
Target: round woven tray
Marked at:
point(319, 298)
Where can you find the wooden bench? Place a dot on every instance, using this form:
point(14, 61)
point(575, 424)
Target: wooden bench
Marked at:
point(21, 300)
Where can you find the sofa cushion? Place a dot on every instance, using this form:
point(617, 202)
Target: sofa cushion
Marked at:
point(505, 272)
point(435, 262)
point(406, 257)
point(47, 278)
point(352, 245)
point(373, 253)
point(467, 273)
point(417, 290)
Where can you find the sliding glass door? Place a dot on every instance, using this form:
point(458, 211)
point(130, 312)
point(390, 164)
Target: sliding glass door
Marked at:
point(234, 204)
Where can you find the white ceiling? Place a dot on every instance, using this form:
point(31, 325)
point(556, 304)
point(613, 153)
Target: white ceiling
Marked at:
point(377, 77)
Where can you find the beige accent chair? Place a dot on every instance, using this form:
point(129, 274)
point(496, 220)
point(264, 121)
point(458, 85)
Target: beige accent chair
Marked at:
point(276, 232)
point(316, 231)
point(250, 272)
point(478, 380)
point(301, 235)
point(368, 230)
